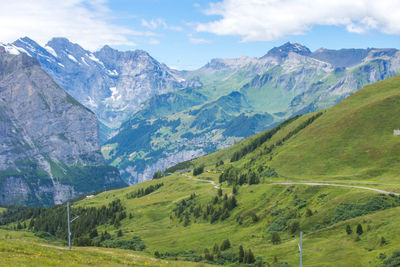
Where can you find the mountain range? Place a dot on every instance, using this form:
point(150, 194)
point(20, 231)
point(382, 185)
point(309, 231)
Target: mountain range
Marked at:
point(50, 149)
point(238, 98)
point(152, 117)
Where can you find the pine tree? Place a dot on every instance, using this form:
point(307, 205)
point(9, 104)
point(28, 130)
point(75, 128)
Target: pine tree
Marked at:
point(275, 238)
point(225, 245)
point(119, 234)
point(309, 213)
point(250, 257)
point(220, 192)
point(241, 253)
point(359, 230)
point(216, 248)
point(234, 190)
point(348, 230)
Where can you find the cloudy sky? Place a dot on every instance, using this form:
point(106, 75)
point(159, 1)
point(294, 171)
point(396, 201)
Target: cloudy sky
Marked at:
point(186, 34)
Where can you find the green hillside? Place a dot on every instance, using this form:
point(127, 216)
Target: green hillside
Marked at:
point(330, 175)
point(352, 140)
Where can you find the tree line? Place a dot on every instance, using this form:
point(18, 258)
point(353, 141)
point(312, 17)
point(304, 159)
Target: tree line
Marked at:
point(218, 208)
point(143, 191)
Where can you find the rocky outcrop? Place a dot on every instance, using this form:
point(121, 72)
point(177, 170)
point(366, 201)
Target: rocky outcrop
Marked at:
point(49, 149)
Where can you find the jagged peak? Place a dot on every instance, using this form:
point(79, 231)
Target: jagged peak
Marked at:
point(289, 47)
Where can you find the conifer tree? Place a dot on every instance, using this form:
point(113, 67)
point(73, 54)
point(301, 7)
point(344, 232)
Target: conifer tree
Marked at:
point(359, 230)
point(225, 245)
point(348, 230)
point(275, 238)
point(220, 192)
point(241, 254)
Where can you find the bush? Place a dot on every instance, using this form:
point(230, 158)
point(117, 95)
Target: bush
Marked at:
point(135, 243)
point(309, 213)
point(359, 229)
point(198, 170)
point(225, 245)
point(348, 230)
point(393, 260)
point(294, 226)
point(158, 175)
point(275, 238)
point(347, 211)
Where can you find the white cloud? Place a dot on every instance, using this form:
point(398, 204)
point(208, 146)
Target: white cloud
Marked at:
point(153, 41)
point(156, 23)
point(86, 22)
point(266, 20)
point(199, 40)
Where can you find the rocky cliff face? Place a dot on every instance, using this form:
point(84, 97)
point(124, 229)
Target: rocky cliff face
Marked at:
point(50, 148)
point(113, 84)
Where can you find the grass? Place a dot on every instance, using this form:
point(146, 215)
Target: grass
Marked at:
point(19, 248)
point(352, 141)
point(325, 242)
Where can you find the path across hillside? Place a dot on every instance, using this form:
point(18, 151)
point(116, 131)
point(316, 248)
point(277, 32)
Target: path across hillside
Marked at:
point(202, 180)
point(306, 183)
point(339, 185)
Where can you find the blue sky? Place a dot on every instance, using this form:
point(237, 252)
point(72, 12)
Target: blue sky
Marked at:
point(187, 34)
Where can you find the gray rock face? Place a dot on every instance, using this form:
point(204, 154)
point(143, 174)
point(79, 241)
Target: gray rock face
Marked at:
point(47, 138)
point(111, 83)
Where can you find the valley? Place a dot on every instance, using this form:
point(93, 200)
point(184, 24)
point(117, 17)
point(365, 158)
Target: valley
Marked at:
point(152, 117)
point(246, 205)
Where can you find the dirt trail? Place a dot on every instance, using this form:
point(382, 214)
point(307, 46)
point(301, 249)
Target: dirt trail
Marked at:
point(339, 185)
point(202, 180)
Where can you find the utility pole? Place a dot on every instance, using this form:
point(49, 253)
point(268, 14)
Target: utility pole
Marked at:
point(69, 227)
point(301, 249)
point(69, 221)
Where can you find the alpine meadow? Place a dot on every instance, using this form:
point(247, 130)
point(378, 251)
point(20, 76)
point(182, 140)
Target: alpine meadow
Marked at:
point(200, 133)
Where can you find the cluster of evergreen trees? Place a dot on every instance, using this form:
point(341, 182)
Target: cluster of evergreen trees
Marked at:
point(219, 207)
point(143, 192)
point(220, 255)
point(53, 222)
point(233, 176)
point(198, 170)
point(158, 175)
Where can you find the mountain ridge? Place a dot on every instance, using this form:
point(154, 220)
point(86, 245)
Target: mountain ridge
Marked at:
point(287, 81)
point(51, 151)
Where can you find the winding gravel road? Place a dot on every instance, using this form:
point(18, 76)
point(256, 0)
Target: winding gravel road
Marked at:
point(339, 185)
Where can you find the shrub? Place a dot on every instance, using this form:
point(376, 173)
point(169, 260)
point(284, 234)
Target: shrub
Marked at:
point(275, 238)
point(393, 260)
point(198, 170)
point(348, 230)
point(158, 175)
point(359, 229)
point(309, 213)
point(225, 245)
point(294, 226)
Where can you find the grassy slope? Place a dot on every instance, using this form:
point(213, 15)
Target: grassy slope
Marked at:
point(19, 248)
point(323, 247)
point(355, 137)
point(353, 140)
